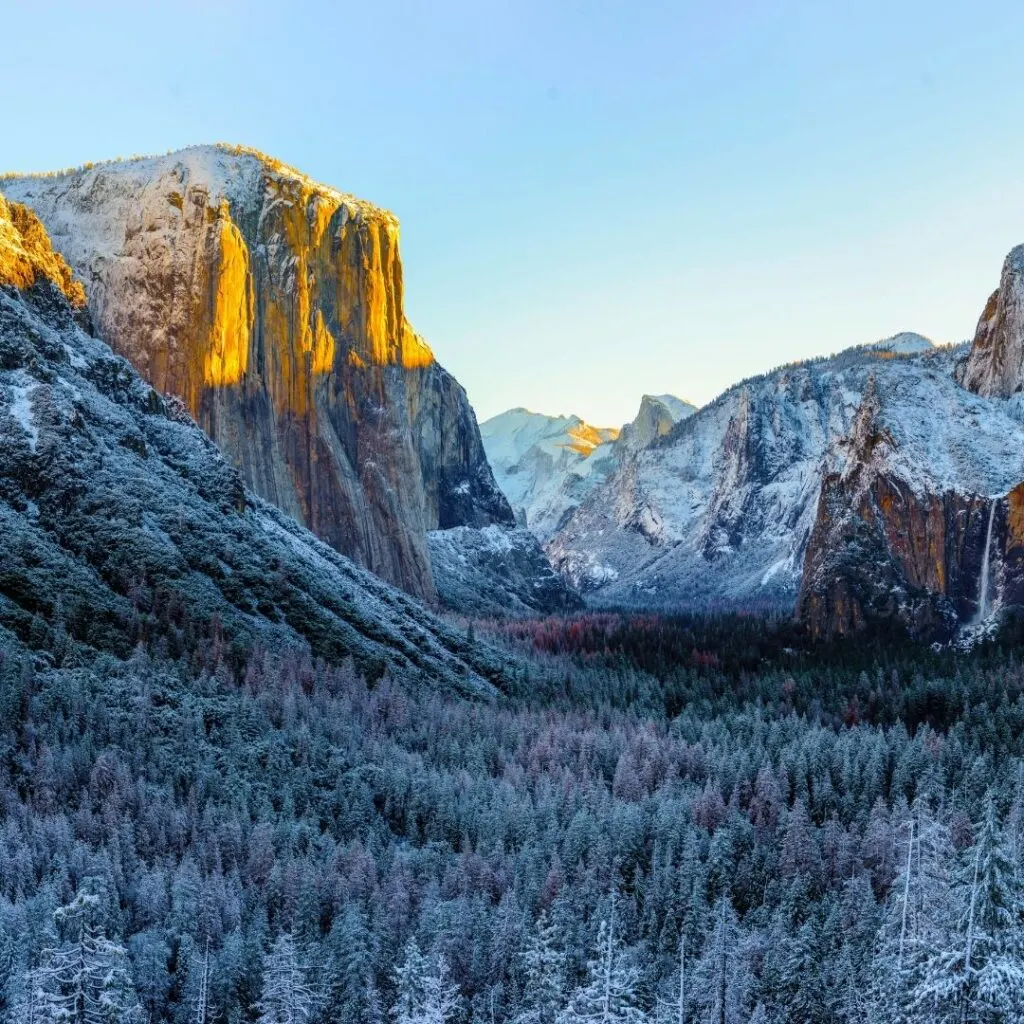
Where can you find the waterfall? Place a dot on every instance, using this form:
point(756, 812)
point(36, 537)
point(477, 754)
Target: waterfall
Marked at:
point(983, 601)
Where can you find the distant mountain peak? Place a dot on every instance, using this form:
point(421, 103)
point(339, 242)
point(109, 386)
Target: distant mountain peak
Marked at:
point(905, 343)
point(547, 464)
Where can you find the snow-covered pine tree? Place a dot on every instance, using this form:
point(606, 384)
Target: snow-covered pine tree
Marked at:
point(976, 976)
point(720, 984)
point(423, 996)
point(85, 977)
point(410, 985)
point(544, 975)
point(916, 918)
point(287, 997)
point(442, 996)
point(201, 1010)
point(29, 1000)
point(609, 995)
point(674, 1011)
point(351, 988)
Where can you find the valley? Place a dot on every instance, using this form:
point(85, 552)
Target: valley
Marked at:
point(321, 702)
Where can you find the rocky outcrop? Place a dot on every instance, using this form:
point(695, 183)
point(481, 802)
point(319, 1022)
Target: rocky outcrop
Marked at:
point(657, 415)
point(273, 307)
point(122, 522)
point(27, 256)
point(497, 571)
point(889, 546)
point(884, 554)
point(994, 366)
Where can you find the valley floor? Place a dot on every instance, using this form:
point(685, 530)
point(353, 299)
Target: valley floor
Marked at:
point(657, 811)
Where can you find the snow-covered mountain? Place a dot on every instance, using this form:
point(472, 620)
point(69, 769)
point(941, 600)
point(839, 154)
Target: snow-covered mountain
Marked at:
point(273, 306)
point(722, 508)
point(546, 465)
point(906, 343)
point(119, 517)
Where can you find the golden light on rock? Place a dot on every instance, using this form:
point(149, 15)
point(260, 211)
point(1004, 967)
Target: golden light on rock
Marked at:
point(26, 254)
point(227, 348)
point(584, 438)
point(323, 347)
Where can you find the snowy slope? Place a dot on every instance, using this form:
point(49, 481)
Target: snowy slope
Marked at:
point(720, 511)
point(546, 465)
point(118, 514)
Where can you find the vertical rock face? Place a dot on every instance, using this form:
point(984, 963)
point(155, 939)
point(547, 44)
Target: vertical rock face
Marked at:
point(886, 554)
point(890, 545)
point(273, 307)
point(995, 365)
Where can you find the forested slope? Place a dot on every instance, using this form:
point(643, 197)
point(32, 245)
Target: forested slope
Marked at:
point(287, 812)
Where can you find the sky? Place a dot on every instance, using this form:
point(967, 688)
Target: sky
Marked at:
point(598, 200)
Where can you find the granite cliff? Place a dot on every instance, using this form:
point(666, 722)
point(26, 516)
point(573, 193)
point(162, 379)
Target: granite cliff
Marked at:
point(122, 522)
point(273, 306)
point(936, 542)
point(994, 367)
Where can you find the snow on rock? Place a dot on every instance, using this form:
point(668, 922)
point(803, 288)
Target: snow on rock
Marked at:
point(546, 465)
point(721, 509)
point(20, 407)
point(995, 363)
point(497, 571)
point(678, 408)
point(273, 306)
point(906, 343)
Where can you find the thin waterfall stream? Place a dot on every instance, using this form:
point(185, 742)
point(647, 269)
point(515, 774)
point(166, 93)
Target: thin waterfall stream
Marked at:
point(983, 586)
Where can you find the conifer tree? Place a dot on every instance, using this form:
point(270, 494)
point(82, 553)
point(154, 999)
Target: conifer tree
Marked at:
point(720, 983)
point(609, 995)
point(30, 1002)
point(85, 977)
point(977, 975)
point(423, 995)
point(544, 974)
point(286, 997)
point(352, 990)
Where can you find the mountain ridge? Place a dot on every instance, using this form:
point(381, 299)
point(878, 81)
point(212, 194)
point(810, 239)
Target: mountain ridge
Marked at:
point(723, 510)
point(273, 305)
point(546, 464)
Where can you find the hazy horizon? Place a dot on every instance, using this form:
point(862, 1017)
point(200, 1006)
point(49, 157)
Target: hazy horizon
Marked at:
point(595, 203)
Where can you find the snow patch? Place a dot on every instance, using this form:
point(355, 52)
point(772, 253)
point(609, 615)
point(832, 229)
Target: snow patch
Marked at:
point(21, 410)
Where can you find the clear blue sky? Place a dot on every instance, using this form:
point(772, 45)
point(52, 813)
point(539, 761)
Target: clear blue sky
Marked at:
point(597, 199)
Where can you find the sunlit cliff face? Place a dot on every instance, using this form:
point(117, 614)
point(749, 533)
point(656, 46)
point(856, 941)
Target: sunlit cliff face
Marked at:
point(273, 306)
point(583, 438)
point(308, 283)
point(27, 256)
point(226, 346)
point(329, 281)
